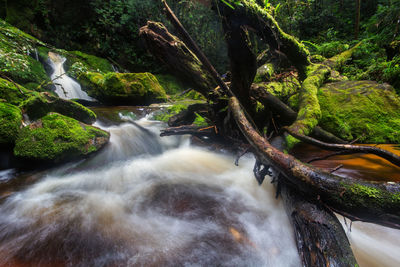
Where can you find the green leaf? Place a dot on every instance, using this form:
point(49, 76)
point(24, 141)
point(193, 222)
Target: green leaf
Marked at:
point(228, 4)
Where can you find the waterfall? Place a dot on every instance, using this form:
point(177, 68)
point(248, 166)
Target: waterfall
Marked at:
point(151, 201)
point(66, 87)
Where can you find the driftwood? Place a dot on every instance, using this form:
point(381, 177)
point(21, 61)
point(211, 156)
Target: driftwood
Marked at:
point(190, 129)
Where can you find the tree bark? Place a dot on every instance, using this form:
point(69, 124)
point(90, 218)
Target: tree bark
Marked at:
point(176, 55)
point(359, 200)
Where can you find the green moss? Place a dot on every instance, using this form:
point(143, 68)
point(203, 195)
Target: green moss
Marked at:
point(56, 138)
point(13, 93)
point(10, 122)
point(170, 84)
point(15, 62)
point(200, 121)
point(165, 114)
point(264, 73)
point(363, 110)
point(358, 195)
point(129, 88)
point(39, 105)
point(309, 108)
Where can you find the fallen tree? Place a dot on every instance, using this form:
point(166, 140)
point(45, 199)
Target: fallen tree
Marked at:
point(318, 192)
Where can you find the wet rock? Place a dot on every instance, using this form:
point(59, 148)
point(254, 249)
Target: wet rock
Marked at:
point(43, 103)
point(361, 109)
point(57, 138)
point(10, 122)
point(123, 88)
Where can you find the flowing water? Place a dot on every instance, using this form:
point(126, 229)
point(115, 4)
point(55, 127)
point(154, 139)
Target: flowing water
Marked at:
point(66, 87)
point(151, 201)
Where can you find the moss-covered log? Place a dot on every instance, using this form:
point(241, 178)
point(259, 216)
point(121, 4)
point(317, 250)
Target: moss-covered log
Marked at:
point(360, 200)
point(176, 55)
point(248, 13)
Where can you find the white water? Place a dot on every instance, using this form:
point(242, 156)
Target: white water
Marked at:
point(151, 201)
point(66, 87)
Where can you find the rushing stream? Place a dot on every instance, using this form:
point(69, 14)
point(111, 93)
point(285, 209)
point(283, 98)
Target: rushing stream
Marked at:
point(151, 201)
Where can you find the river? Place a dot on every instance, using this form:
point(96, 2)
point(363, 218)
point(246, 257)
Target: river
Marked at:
point(151, 201)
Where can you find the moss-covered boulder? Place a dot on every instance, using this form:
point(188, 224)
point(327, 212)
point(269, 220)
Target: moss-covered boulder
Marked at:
point(39, 105)
point(123, 88)
point(361, 109)
point(57, 138)
point(13, 93)
point(10, 123)
point(15, 60)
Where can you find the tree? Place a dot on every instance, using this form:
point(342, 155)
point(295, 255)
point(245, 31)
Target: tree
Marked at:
point(310, 194)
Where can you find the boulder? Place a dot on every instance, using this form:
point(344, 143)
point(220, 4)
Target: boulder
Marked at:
point(10, 123)
point(363, 110)
point(56, 138)
point(123, 88)
point(39, 105)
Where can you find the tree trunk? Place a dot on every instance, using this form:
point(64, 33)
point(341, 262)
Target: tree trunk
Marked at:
point(357, 19)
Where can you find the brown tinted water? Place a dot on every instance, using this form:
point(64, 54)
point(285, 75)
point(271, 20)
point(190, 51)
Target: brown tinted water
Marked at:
point(360, 166)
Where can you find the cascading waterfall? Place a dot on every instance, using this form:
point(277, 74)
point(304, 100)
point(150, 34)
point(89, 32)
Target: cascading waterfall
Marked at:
point(66, 87)
point(151, 201)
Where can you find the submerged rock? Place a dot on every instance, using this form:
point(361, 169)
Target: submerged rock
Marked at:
point(361, 109)
point(57, 138)
point(39, 105)
point(10, 123)
point(123, 88)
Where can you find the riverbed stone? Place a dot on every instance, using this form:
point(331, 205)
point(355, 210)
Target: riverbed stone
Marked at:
point(362, 110)
point(123, 88)
point(57, 138)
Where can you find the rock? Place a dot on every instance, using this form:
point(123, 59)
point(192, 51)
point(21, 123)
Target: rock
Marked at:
point(123, 88)
point(57, 138)
point(264, 73)
point(10, 122)
point(39, 105)
point(13, 93)
point(15, 47)
point(361, 109)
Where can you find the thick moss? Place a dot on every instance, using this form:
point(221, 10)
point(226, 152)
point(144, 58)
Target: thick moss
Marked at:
point(10, 122)
point(78, 62)
point(56, 138)
point(13, 93)
point(15, 62)
point(170, 84)
point(165, 114)
point(361, 109)
point(39, 105)
point(264, 73)
point(123, 88)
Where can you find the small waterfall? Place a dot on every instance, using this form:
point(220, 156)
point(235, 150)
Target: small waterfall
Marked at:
point(66, 87)
point(151, 201)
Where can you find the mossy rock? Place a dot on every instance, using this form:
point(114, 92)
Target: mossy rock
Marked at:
point(15, 62)
point(123, 88)
point(39, 105)
point(13, 93)
point(57, 138)
point(10, 123)
point(264, 73)
point(363, 110)
point(171, 84)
